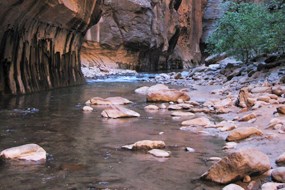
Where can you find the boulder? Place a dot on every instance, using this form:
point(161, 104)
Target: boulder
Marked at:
point(248, 117)
point(142, 90)
point(157, 87)
point(119, 112)
point(281, 159)
point(278, 174)
point(281, 109)
point(109, 101)
point(272, 186)
point(201, 121)
point(230, 145)
point(28, 152)
point(243, 133)
point(238, 165)
point(145, 145)
point(87, 108)
point(243, 99)
point(274, 123)
point(151, 107)
point(182, 114)
point(159, 153)
point(278, 90)
point(233, 187)
point(226, 126)
point(166, 95)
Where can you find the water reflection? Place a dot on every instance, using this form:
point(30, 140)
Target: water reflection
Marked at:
point(84, 148)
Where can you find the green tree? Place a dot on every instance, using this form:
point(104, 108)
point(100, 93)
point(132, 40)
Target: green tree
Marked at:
point(248, 29)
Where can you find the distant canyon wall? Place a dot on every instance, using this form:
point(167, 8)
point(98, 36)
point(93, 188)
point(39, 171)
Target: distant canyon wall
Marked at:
point(146, 35)
point(40, 43)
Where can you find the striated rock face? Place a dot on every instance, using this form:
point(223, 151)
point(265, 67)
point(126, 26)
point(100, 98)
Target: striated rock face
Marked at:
point(40, 43)
point(146, 35)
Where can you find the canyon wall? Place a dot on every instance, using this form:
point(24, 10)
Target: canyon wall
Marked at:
point(40, 43)
point(146, 35)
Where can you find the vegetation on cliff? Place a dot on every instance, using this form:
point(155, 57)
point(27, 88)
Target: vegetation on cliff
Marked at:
point(249, 29)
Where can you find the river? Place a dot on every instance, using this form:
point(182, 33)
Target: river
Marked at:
point(84, 148)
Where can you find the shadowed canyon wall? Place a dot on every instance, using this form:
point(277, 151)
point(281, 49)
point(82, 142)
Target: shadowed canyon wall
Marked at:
point(40, 43)
point(146, 35)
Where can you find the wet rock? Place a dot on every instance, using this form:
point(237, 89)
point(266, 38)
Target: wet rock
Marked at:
point(145, 145)
point(142, 90)
point(275, 123)
point(174, 107)
point(262, 89)
point(230, 145)
point(88, 102)
point(281, 109)
point(119, 112)
point(264, 98)
point(151, 107)
point(238, 165)
point(157, 87)
point(87, 108)
point(281, 159)
point(162, 106)
point(272, 186)
point(189, 149)
point(226, 126)
point(28, 152)
point(109, 101)
point(243, 133)
point(248, 117)
point(243, 99)
point(246, 179)
point(167, 95)
point(182, 114)
point(233, 187)
point(201, 121)
point(159, 153)
point(278, 174)
point(214, 159)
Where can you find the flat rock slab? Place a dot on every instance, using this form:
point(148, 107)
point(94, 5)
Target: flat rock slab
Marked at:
point(159, 153)
point(243, 133)
point(167, 95)
point(278, 174)
point(109, 101)
point(28, 152)
point(237, 165)
point(151, 107)
point(248, 117)
point(182, 114)
point(145, 145)
point(119, 112)
point(201, 121)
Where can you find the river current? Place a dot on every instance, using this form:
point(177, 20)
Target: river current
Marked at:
point(84, 148)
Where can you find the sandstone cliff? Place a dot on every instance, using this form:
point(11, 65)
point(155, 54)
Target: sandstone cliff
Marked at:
point(40, 43)
point(146, 35)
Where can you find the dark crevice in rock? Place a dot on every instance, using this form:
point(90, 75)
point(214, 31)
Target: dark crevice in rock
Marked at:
point(175, 4)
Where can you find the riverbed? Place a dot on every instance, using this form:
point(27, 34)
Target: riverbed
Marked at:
point(84, 148)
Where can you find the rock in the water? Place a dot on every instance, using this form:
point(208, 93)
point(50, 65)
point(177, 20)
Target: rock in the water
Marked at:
point(87, 108)
point(262, 89)
point(248, 117)
point(278, 90)
point(142, 90)
point(281, 159)
point(181, 114)
point(275, 122)
point(157, 87)
point(29, 152)
point(278, 174)
point(230, 145)
point(109, 101)
point(243, 133)
point(281, 109)
point(238, 165)
point(151, 107)
point(145, 145)
point(226, 126)
point(189, 149)
point(233, 187)
point(166, 95)
point(272, 186)
point(119, 112)
point(159, 153)
point(201, 121)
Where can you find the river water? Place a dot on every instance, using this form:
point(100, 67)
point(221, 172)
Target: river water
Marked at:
point(84, 149)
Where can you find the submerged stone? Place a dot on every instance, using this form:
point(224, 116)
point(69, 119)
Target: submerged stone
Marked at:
point(119, 112)
point(159, 153)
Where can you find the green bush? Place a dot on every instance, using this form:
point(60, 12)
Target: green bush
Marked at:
point(249, 29)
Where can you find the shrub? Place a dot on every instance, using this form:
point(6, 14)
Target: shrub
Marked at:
point(247, 30)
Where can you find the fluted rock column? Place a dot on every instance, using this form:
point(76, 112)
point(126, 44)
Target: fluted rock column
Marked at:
point(40, 43)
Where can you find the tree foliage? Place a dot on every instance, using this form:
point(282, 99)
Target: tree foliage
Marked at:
point(249, 29)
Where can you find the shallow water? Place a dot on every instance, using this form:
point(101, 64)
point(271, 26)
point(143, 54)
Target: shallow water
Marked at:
point(84, 149)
